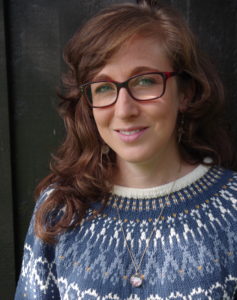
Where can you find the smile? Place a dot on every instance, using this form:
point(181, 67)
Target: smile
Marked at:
point(131, 135)
point(129, 132)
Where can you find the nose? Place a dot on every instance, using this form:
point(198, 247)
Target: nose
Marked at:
point(126, 106)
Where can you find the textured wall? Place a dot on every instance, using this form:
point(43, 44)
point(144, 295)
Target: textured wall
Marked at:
point(7, 260)
point(35, 32)
point(215, 24)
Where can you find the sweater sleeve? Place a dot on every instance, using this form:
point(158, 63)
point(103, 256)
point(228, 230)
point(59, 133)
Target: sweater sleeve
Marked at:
point(38, 277)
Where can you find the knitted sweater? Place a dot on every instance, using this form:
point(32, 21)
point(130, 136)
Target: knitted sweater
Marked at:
point(191, 255)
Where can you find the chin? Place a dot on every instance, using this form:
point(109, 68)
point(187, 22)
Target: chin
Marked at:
point(135, 158)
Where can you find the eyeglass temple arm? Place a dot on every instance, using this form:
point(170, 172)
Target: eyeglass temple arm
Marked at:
point(170, 74)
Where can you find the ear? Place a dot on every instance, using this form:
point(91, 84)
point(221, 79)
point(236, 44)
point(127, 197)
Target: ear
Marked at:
point(185, 98)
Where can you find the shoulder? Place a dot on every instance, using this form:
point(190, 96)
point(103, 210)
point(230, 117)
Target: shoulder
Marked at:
point(218, 191)
point(38, 264)
point(227, 179)
point(224, 178)
point(47, 211)
point(44, 195)
point(224, 192)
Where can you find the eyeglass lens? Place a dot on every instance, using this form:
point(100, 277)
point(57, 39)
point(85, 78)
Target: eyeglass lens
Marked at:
point(142, 87)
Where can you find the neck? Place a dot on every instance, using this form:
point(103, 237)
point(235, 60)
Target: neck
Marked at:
point(151, 174)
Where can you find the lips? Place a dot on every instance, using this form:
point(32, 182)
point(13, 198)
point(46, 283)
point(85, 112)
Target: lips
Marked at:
point(130, 130)
point(130, 134)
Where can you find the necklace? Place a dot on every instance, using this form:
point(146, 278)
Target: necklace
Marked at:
point(137, 279)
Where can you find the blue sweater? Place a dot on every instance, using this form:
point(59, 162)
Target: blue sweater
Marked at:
point(192, 254)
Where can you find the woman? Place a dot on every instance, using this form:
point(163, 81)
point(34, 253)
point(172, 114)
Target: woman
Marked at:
point(138, 204)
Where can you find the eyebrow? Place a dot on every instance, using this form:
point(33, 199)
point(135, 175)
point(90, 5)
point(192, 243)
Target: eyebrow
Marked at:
point(135, 71)
point(142, 69)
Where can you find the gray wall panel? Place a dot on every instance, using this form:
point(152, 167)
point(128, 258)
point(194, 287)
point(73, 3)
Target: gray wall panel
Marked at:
point(36, 32)
point(7, 249)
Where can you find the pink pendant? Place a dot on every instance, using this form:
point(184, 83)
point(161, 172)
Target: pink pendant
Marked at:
point(136, 280)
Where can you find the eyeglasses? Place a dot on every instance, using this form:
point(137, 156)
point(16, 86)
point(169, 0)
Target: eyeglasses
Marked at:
point(142, 87)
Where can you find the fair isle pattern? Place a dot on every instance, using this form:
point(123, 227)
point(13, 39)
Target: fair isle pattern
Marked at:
point(192, 255)
point(74, 293)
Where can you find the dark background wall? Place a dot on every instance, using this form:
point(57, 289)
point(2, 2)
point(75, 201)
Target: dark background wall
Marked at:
point(32, 36)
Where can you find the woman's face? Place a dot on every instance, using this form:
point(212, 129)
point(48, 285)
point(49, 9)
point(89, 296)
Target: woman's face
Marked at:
point(139, 132)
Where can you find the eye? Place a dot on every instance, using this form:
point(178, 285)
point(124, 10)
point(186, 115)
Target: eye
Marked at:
point(145, 81)
point(103, 88)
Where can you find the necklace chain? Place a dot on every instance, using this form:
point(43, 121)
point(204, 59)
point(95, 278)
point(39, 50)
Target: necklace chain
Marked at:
point(137, 266)
point(138, 277)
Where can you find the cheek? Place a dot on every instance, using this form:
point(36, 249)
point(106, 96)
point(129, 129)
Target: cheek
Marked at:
point(166, 109)
point(102, 120)
point(165, 117)
point(97, 117)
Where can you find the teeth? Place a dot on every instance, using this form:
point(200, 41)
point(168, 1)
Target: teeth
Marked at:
point(129, 132)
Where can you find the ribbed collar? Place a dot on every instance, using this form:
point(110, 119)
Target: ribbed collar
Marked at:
point(197, 183)
point(162, 190)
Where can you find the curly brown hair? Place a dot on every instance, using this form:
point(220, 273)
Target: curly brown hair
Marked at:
point(78, 173)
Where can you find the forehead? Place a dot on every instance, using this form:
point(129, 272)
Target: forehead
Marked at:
point(136, 54)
